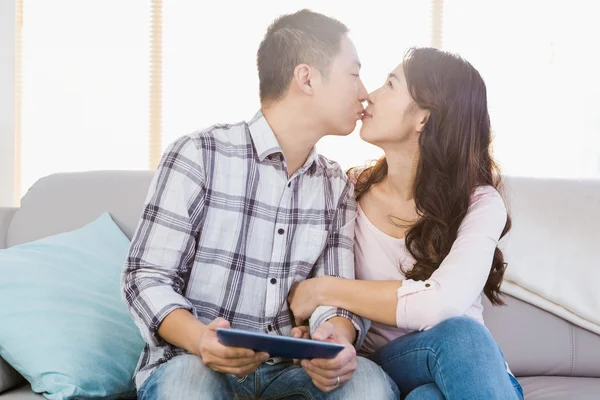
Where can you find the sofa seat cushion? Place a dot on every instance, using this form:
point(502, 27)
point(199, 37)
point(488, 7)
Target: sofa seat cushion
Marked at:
point(560, 388)
point(22, 393)
point(8, 376)
point(535, 388)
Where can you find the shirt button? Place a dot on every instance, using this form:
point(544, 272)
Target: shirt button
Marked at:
point(270, 328)
point(280, 231)
point(273, 281)
point(427, 285)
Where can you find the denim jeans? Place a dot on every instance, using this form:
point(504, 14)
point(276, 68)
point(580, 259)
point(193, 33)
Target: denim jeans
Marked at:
point(456, 359)
point(186, 377)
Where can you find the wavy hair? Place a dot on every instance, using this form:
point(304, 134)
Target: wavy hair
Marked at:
point(455, 158)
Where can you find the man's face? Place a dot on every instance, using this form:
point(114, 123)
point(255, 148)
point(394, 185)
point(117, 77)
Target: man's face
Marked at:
point(339, 97)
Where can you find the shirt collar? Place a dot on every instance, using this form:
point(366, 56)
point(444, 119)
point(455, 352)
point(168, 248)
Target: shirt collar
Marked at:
point(265, 141)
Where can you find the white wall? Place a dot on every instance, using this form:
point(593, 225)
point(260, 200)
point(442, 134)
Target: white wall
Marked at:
point(7, 107)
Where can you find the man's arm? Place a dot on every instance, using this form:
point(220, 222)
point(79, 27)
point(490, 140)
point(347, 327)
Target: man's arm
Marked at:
point(338, 260)
point(182, 329)
point(163, 246)
point(159, 261)
point(344, 328)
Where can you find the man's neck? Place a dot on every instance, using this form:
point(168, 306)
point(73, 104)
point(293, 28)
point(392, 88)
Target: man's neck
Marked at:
point(294, 132)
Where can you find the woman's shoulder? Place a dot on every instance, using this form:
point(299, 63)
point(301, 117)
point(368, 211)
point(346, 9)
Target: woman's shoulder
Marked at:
point(486, 193)
point(356, 173)
point(489, 200)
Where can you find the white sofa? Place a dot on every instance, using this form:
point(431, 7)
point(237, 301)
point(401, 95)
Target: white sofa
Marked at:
point(552, 358)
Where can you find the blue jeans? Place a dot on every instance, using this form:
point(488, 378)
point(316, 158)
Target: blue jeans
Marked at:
point(456, 359)
point(186, 377)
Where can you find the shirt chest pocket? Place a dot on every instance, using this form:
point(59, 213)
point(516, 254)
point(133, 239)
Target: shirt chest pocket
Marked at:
point(308, 245)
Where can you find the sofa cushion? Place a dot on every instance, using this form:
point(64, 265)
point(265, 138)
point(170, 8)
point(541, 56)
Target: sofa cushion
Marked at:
point(66, 201)
point(534, 388)
point(66, 328)
point(8, 376)
point(21, 393)
point(536, 342)
point(560, 388)
point(553, 244)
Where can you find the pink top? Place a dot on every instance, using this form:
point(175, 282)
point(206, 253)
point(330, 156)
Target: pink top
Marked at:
point(454, 289)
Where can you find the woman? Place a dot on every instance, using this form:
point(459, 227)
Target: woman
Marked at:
point(429, 220)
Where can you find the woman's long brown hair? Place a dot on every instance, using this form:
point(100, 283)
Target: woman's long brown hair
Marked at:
point(455, 158)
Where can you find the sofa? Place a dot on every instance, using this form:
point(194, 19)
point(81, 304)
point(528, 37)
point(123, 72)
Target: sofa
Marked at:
point(552, 358)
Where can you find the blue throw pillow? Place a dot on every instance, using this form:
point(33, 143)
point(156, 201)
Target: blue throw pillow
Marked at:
point(63, 323)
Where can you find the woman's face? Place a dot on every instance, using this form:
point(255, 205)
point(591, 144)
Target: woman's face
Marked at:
point(392, 116)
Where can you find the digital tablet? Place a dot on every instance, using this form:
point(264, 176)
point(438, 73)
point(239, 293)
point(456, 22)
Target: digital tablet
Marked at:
point(278, 346)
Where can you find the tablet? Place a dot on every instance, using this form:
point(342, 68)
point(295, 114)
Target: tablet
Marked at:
point(278, 346)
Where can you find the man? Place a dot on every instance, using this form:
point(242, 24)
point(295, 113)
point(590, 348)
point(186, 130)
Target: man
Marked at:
point(235, 215)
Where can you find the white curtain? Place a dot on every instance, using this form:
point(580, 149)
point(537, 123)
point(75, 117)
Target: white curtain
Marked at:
point(86, 75)
point(84, 86)
point(541, 64)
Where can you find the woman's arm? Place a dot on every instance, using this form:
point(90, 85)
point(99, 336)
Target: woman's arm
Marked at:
point(374, 300)
point(419, 305)
point(458, 282)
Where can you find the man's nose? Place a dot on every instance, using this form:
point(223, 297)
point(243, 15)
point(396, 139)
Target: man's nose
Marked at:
point(363, 95)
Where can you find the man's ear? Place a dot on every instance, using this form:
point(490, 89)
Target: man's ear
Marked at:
point(302, 78)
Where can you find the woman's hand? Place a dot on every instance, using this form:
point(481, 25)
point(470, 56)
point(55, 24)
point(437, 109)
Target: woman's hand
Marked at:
point(305, 297)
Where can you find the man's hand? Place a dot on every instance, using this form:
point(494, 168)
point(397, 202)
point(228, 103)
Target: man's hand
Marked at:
point(329, 374)
point(301, 332)
point(224, 359)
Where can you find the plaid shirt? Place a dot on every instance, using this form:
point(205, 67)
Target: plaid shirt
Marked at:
point(225, 233)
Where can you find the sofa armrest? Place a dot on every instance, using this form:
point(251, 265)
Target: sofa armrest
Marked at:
point(6, 214)
point(8, 376)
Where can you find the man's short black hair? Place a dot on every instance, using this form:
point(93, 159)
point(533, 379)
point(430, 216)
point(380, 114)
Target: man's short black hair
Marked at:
point(304, 37)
